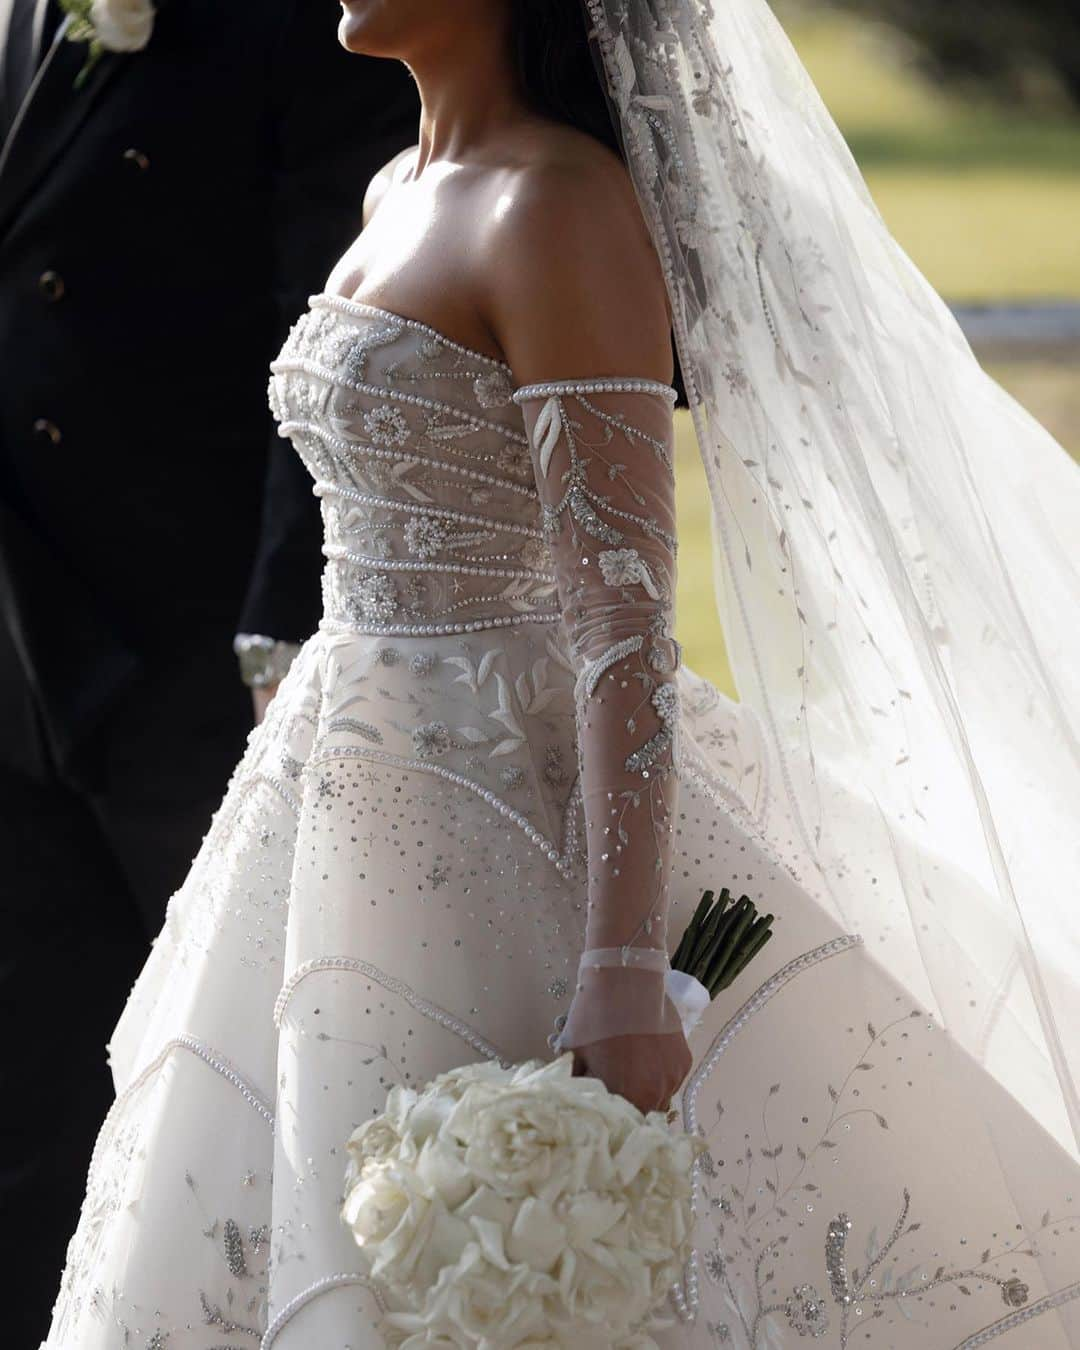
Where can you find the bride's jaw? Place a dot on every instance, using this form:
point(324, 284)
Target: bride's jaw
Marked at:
point(368, 27)
point(389, 28)
point(404, 29)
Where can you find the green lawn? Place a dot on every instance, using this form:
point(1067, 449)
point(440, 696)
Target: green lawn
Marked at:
point(987, 203)
point(985, 199)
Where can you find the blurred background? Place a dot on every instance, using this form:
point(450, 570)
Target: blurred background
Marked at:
point(965, 121)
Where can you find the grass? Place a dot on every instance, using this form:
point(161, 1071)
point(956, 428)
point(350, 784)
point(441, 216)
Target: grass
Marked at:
point(985, 200)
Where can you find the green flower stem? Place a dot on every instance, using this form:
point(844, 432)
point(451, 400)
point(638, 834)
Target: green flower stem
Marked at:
point(708, 930)
point(728, 937)
point(721, 940)
point(686, 943)
point(757, 940)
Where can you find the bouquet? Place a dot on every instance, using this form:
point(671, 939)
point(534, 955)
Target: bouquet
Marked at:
point(520, 1206)
point(720, 941)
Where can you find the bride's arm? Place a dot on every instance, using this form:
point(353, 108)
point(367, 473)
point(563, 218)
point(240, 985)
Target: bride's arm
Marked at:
point(585, 328)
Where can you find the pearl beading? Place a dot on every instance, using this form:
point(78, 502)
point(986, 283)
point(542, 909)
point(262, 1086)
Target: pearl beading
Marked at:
point(557, 388)
point(323, 488)
point(279, 787)
point(371, 451)
point(300, 1301)
point(203, 1052)
point(547, 847)
point(353, 965)
point(343, 304)
point(1022, 1315)
point(338, 553)
point(301, 365)
point(440, 629)
point(685, 1297)
point(213, 1060)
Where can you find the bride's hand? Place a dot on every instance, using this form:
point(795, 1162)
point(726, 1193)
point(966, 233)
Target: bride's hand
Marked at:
point(646, 1070)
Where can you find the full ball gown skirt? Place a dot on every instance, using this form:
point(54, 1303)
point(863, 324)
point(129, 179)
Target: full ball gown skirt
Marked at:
point(393, 886)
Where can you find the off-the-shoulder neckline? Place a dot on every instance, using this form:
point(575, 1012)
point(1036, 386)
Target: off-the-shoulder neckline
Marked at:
point(347, 304)
point(534, 389)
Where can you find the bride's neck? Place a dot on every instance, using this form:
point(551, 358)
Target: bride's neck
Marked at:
point(467, 94)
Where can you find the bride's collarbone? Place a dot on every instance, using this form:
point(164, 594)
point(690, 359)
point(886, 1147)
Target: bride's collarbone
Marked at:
point(423, 265)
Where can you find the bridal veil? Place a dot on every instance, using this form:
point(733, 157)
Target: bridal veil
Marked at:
point(895, 543)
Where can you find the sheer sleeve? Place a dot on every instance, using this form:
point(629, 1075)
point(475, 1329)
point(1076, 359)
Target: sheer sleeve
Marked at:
point(602, 456)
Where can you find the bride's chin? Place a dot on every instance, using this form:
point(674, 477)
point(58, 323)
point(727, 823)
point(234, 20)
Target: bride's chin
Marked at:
point(359, 27)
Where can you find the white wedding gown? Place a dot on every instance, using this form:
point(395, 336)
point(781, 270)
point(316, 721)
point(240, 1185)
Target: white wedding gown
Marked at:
point(395, 884)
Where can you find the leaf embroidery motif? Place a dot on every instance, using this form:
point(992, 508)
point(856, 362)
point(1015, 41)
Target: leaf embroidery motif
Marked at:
point(546, 433)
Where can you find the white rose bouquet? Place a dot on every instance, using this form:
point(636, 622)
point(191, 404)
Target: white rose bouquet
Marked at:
point(108, 26)
point(520, 1207)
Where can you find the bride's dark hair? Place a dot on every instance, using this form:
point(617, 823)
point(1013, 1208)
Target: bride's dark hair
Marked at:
point(556, 67)
point(559, 78)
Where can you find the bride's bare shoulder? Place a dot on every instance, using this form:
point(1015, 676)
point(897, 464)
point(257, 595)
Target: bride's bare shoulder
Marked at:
point(573, 280)
point(385, 178)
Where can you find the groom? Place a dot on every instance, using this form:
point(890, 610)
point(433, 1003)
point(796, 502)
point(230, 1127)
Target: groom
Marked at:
point(165, 210)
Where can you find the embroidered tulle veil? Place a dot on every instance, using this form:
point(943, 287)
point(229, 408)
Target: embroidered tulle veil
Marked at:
point(895, 543)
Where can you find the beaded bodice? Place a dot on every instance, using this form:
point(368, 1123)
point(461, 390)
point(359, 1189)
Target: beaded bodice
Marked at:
point(454, 503)
point(421, 460)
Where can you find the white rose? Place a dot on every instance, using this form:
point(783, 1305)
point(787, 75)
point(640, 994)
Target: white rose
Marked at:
point(390, 1220)
point(441, 1169)
point(375, 1140)
point(537, 1237)
point(476, 1303)
point(514, 1139)
point(122, 25)
point(658, 1203)
point(610, 1292)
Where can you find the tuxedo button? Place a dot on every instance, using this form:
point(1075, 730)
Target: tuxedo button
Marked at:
point(137, 158)
point(47, 431)
point(51, 286)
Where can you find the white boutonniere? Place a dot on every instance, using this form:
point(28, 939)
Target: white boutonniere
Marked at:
point(107, 26)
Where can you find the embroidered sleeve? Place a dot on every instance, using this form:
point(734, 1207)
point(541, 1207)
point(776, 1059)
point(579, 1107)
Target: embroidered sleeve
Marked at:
point(602, 455)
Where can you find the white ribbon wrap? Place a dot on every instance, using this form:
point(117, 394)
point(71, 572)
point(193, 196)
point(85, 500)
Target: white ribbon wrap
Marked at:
point(690, 997)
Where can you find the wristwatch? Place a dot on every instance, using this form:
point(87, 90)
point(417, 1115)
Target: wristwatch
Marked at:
point(264, 661)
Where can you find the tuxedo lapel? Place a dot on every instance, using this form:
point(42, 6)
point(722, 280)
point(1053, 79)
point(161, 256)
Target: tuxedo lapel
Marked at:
point(51, 114)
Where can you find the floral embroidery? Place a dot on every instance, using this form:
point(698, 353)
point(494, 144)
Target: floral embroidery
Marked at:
point(422, 663)
point(604, 478)
point(493, 390)
point(621, 567)
point(425, 536)
point(375, 597)
point(666, 702)
point(433, 738)
point(806, 1312)
point(1014, 1292)
point(386, 427)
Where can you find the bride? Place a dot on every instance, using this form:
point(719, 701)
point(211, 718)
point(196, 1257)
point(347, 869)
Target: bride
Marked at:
point(489, 793)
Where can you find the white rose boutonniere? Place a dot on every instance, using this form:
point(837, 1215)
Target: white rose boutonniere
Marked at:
point(108, 26)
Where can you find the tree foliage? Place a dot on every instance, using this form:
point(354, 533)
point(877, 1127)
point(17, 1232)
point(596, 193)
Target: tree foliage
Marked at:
point(1014, 49)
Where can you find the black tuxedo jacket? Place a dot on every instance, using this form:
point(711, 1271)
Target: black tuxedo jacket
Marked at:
point(160, 228)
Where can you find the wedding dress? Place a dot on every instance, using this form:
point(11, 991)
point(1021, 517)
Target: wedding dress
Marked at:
point(396, 884)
